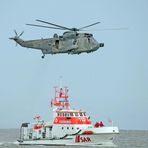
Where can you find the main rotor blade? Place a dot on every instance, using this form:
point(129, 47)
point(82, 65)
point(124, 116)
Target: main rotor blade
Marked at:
point(64, 28)
point(45, 26)
point(89, 25)
point(107, 29)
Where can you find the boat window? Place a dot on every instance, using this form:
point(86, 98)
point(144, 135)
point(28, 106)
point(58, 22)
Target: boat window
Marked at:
point(58, 114)
point(68, 115)
point(72, 128)
point(67, 127)
point(76, 114)
point(81, 114)
point(62, 128)
point(50, 128)
point(71, 114)
point(84, 114)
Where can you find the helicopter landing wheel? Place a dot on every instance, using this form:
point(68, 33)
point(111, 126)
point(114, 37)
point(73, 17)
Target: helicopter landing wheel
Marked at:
point(43, 56)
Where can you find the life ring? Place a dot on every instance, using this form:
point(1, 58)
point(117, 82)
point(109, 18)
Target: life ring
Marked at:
point(56, 120)
point(83, 119)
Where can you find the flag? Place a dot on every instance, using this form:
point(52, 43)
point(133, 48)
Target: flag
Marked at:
point(110, 121)
point(37, 118)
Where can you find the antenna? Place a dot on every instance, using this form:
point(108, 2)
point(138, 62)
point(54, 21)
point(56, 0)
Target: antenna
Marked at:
point(61, 81)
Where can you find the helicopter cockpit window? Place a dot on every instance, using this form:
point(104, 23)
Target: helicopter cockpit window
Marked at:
point(87, 35)
point(65, 32)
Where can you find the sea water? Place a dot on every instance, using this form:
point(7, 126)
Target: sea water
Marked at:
point(126, 139)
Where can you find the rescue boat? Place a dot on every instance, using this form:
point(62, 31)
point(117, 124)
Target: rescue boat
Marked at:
point(68, 126)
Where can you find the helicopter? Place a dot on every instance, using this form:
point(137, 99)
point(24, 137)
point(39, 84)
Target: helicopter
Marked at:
point(71, 42)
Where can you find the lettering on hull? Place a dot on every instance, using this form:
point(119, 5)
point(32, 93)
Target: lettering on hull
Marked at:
point(82, 139)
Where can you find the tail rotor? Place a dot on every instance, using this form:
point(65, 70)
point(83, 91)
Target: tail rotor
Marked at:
point(17, 36)
point(15, 33)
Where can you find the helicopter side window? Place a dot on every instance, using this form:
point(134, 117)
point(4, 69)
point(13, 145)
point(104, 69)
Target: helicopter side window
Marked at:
point(60, 38)
point(88, 39)
point(74, 42)
point(57, 43)
point(55, 36)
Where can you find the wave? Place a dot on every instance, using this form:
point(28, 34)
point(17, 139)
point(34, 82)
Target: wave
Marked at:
point(9, 143)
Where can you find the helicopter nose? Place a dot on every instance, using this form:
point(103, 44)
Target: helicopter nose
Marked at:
point(101, 44)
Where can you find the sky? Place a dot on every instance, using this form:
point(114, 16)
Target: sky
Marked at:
point(111, 83)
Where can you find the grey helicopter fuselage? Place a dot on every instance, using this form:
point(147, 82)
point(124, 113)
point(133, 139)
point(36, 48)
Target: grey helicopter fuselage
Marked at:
point(70, 42)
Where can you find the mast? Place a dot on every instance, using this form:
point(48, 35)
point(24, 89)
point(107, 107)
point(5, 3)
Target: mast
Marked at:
point(60, 100)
